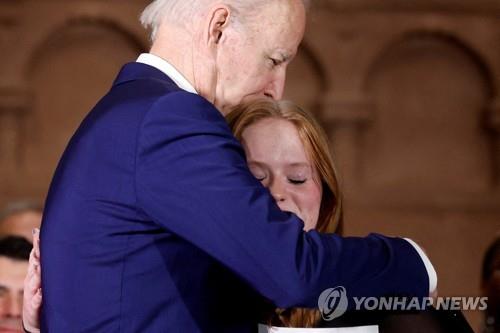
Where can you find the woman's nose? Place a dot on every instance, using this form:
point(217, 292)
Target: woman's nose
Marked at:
point(278, 191)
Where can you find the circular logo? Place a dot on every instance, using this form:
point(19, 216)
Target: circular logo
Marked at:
point(332, 303)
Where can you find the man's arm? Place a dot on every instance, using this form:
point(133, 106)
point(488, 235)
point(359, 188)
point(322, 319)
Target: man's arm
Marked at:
point(192, 178)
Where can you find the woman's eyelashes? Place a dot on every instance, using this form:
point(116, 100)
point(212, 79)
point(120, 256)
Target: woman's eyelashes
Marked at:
point(264, 176)
point(260, 176)
point(291, 180)
point(296, 181)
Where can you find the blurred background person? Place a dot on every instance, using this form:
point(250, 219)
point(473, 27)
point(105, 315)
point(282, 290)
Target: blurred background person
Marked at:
point(490, 286)
point(20, 218)
point(14, 255)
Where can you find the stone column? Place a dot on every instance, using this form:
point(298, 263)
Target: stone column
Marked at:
point(346, 115)
point(493, 120)
point(13, 107)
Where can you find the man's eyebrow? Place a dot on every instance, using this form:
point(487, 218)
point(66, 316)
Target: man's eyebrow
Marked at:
point(3, 288)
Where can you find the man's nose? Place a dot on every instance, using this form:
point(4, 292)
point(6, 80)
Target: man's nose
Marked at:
point(277, 85)
point(13, 307)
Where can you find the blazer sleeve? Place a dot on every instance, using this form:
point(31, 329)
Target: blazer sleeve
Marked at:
point(192, 179)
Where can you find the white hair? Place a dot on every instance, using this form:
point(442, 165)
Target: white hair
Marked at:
point(181, 11)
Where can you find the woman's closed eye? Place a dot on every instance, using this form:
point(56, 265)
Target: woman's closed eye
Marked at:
point(297, 181)
point(260, 176)
point(257, 171)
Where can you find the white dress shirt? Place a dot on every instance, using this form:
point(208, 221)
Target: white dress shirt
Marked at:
point(357, 329)
point(168, 69)
point(184, 84)
point(433, 279)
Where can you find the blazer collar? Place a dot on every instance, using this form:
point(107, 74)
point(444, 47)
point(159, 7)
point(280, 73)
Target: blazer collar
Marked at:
point(136, 71)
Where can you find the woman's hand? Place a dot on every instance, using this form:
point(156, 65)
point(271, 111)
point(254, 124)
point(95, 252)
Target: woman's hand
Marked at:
point(32, 299)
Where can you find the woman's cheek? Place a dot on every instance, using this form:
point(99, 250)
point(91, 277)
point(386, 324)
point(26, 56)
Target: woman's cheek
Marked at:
point(308, 202)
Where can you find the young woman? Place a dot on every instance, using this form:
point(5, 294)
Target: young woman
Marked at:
point(288, 152)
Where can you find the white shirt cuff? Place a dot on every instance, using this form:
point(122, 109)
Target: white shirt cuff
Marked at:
point(431, 272)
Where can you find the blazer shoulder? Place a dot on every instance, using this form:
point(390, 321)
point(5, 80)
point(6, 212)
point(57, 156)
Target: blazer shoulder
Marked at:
point(187, 105)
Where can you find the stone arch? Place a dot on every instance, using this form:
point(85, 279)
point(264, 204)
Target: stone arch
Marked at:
point(445, 36)
point(69, 23)
point(67, 74)
point(430, 92)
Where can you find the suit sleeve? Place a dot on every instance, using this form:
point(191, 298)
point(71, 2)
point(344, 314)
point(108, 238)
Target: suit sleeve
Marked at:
point(192, 179)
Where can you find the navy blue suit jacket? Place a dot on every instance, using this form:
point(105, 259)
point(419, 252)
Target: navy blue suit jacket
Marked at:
point(153, 223)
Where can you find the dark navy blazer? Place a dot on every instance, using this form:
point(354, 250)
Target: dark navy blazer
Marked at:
point(153, 223)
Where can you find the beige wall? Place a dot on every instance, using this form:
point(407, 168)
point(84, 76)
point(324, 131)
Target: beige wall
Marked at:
point(407, 90)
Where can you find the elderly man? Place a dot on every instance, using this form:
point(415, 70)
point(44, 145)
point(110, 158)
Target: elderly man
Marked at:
point(14, 254)
point(154, 223)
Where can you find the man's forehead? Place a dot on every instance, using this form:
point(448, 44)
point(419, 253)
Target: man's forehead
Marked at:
point(283, 38)
point(12, 270)
point(281, 42)
point(22, 217)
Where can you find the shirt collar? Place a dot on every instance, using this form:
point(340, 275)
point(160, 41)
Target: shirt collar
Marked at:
point(168, 69)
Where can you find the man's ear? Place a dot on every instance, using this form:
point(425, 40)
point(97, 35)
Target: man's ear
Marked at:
point(218, 22)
